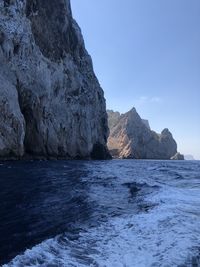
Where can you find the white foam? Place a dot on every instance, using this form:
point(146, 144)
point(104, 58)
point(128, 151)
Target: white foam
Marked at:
point(165, 236)
point(48, 253)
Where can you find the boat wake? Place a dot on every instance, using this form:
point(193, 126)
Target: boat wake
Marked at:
point(142, 222)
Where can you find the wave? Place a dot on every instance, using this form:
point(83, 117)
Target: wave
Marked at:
point(139, 217)
point(163, 236)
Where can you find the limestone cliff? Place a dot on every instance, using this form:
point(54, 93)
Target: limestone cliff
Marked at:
point(51, 102)
point(131, 137)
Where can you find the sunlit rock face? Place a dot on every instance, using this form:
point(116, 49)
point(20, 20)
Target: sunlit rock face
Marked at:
point(131, 137)
point(51, 102)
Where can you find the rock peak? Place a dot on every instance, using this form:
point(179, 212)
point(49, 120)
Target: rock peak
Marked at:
point(165, 131)
point(131, 137)
point(133, 109)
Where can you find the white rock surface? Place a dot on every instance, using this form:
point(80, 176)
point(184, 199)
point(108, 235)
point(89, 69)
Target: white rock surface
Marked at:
point(178, 156)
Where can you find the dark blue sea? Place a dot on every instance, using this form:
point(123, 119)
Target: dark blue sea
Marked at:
point(119, 213)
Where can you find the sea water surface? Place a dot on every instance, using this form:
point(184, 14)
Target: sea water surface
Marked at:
point(119, 213)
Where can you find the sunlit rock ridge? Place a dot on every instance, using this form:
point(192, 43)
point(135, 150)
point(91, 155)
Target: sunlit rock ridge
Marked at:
point(51, 103)
point(131, 137)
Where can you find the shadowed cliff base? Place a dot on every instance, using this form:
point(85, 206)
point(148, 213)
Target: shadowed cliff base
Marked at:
point(100, 152)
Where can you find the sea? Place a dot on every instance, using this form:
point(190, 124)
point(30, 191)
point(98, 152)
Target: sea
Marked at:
point(117, 213)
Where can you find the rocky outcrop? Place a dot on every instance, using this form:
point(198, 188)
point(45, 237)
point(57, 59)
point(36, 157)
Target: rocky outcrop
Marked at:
point(50, 99)
point(130, 137)
point(178, 156)
point(113, 118)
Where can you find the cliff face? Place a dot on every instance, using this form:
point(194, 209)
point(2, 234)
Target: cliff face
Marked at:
point(131, 137)
point(50, 100)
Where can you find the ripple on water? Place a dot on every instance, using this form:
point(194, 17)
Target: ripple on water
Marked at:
point(142, 214)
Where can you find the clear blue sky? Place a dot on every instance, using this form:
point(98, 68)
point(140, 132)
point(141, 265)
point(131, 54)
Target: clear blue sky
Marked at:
point(146, 53)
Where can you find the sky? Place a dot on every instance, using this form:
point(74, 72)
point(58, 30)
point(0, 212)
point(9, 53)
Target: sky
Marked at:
point(146, 54)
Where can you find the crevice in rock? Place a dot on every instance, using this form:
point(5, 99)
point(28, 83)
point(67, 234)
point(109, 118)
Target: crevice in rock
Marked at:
point(100, 152)
point(20, 100)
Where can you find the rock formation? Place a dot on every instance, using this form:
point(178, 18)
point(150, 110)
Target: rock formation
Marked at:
point(178, 156)
point(51, 103)
point(130, 137)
